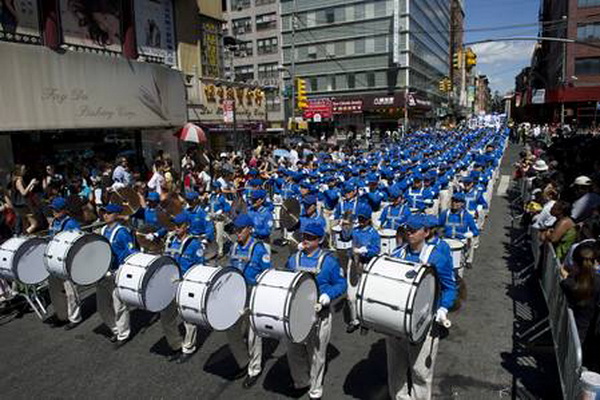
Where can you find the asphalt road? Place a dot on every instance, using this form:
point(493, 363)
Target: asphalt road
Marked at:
point(479, 359)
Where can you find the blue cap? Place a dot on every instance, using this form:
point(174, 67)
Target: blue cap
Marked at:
point(394, 191)
point(255, 182)
point(259, 194)
point(190, 196)
point(243, 221)
point(253, 172)
point(58, 204)
point(153, 196)
point(430, 221)
point(181, 218)
point(313, 228)
point(112, 208)
point(364, 210)
point(349, 187)
point(415, 222)
point(309, 200)
point(216, 184)
point(459, 197)
point(467, 179)
point(417, 176)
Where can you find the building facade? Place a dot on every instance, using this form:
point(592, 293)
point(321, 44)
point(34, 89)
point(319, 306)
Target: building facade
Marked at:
point(377, 61)
point(257, 57)
point(565, 78)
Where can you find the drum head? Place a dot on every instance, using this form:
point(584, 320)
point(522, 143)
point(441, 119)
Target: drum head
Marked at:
point(422, 310)
point(30, 266)
point(302, 314)
point(89, 259)
point(161, 288)
point(455, 244)
point(226, 298)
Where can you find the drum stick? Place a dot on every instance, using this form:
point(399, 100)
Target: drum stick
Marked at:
point(446, 323)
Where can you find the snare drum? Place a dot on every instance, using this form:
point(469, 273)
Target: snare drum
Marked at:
point(341, 239)
point(22, 259)
point(388, 241)
point(457, 248)
point(212, 297)
point(282, 305)
point(397, 298)
point(83, 258)
point(147, 281)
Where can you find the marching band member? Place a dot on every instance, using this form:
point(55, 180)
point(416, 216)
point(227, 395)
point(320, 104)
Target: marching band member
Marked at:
point(187, 251)
point(200, 223)
point(395, 214)
point(307, 360)
point(262, 217)
point(63, 292)
point(417, 192)
point(348, 202)
point(418, 360)
point(218, 206)
point(310, 214)
point(457, 223)
point(113, 311)
point(149, 213)
point(251, 257)
point(366, 244)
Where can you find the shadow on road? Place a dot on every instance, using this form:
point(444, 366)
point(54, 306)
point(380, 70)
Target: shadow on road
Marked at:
point(368, 378)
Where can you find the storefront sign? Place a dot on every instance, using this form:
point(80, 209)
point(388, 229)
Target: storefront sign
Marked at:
point(383, 102)
point(19, 19)
point(92, 23)
point(323, 107)
point(44, 90)
point(538, 96)
point(347, 106)
point(154, 29)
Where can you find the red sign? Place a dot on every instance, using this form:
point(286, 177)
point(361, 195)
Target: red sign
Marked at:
point(347, 106)
point(319, 107)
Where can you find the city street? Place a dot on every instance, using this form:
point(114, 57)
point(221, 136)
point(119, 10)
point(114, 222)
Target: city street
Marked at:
point(478, 360)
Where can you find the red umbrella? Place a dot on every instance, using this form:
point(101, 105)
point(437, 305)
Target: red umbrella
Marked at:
point(191, 133)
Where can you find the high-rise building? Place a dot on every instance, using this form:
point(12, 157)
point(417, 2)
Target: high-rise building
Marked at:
point(565, 78)
point(256, 56)
point(371, 58)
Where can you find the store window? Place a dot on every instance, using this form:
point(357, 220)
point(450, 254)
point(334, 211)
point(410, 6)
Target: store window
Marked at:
point(587, 66)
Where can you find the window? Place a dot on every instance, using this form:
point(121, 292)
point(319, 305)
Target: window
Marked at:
point(244, 73)
point(351, 81)
point(242, 26)
point(339, 49)
point(380, 44)
point(330, 15)
point(332, 83)
point(359, 46)
point(268, 71)
point(587, 66)
point(245, 49)
point(588, 3)
point(370, 45)
point(314, 87)
point(273, 103)
point(312, 52)
point(370, 79)
point(267, 46)
point(588, 31)
point(237, 5)
point(263, 2)
point(266, 21)
point(359, 11)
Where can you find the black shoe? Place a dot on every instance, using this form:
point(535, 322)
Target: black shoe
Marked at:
point(71, 325)
point(351, 328)
point(241, 373)
point(113, 338)
point(297, 392)
point(183, 358)
point(120, 343)
point(51, 320)
point(315, 398)
point(250, 381)
point(173, 355)
point(469, 265)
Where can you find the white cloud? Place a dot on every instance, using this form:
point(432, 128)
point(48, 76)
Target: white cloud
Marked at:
point(495, 52)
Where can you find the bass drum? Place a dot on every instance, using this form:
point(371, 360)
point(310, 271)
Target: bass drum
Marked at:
point(282, 305)
point(212, 297)
point(83, 258)
point(397, 298)
point(147, 281)
point(22, 260)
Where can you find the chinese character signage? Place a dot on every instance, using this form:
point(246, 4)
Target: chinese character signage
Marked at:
point(154, 29)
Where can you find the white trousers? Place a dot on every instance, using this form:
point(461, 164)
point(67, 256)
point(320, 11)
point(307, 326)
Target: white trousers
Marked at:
point(65, 299)
point(169, 319)
point(351, 293)
point(113, 311)
point(417, 360)
point(307, 360)
point(249, 352)
point(220, 236)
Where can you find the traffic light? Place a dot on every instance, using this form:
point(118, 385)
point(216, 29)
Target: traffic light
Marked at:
point(470, 59)
point(445, 85)
point(442, 85)
point(301, 99)
point(457, 59)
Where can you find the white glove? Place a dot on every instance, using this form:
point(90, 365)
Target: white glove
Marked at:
point(318, 307)
point(150, 236)
point(324, 300)
point(441, 315)
point(219, 212)
point(468, 235)
point(361, 250)
point(300, 246)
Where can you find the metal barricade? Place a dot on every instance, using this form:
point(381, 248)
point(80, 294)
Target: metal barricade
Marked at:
point(562, 324)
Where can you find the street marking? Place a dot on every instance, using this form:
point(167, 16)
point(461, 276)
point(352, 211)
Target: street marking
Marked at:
point(503, 185)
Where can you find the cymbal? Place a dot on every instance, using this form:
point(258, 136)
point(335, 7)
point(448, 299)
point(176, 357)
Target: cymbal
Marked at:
point(168, 209)
point(290, 214)
point(127, 198)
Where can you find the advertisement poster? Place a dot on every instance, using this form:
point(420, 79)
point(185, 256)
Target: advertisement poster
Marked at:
point(19, 18)
point(92, 23)
point(154, 29)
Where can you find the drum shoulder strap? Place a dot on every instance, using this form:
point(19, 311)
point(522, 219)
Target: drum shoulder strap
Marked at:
point(113, 234)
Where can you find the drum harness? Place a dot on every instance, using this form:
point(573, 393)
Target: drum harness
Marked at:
point(61, 226)
point(455, 225)
point(415, 196)
point(177, 252)
point(237, 260)
point(393, 219)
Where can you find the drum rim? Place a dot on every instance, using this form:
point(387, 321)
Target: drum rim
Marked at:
point(252, 299)
point(298, 279)
point(67, 261)
point(423, 271)
point(18, 253)
point(209, 286)
point(180, 288)
point(146, 279)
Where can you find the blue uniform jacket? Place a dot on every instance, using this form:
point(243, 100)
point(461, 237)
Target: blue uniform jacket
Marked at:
point(121, 243)
point(251, 259)
point(457, 224)
point(345, 206)
point(150, 217)
point(64, 224)
point(393, 216)
point(369, 238)
point(473, 199)
point(329, 278)
point(200, 223)
point(190, 255)
point(414, 196)
point(263, 221)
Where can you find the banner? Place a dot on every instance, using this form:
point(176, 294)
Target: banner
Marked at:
point(45, 90)
point(154, 29)
point(92, 23)
point(19, 18)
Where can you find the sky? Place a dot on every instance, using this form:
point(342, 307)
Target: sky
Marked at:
point(501, 61)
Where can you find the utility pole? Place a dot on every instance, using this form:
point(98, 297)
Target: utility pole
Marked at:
point(293, 64)
point(564, 74)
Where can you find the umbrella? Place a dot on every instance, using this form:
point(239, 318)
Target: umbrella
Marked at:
point(191, 133)
point(281, 153)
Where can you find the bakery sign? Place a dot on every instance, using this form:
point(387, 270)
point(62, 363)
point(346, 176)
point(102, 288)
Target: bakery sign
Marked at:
point(350, 106)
